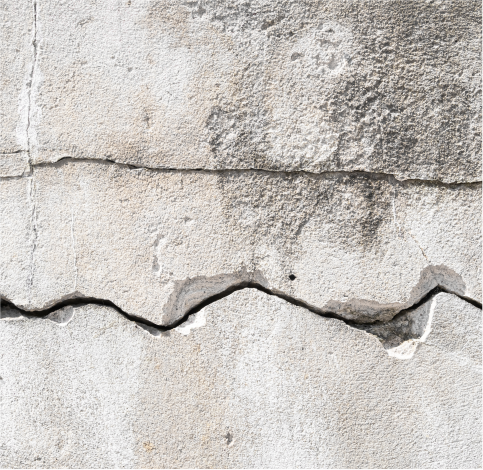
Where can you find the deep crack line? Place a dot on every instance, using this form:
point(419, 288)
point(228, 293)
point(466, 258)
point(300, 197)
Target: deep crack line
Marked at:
point(214, 298)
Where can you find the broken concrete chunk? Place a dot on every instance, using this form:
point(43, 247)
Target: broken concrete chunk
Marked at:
point(386, 86)
point(444, 321)
point(62, 316)
point(263, 384)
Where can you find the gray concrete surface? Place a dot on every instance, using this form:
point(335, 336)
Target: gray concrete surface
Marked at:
point(381, 86)
point(240, 234)
point(255, 383)
point(16, 60)
point(157, 243)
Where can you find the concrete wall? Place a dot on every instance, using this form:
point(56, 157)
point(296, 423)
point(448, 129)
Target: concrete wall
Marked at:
point(240, 234)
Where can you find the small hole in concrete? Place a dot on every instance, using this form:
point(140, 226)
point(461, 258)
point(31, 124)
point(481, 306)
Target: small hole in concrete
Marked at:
point(292, 277)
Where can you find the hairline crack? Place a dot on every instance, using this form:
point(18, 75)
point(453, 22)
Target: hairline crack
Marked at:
point(368, 174)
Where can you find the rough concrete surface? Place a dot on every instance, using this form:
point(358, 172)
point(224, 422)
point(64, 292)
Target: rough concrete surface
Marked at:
point(240, 234)
point(158, 243)
point(257, 383)
point(16, 32)
point(387, 86)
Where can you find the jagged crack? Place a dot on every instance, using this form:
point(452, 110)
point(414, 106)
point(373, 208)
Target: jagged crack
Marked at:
point(381, 329)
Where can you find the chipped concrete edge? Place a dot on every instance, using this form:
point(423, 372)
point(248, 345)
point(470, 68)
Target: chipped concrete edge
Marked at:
point(62, 313)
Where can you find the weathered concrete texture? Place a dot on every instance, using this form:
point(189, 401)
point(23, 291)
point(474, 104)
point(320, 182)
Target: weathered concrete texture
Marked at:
point(158, 155)
point(15, 232)
point(16, 62)
point(383, 86)
point(157, 243)
point(14, 164)
point(258, 384)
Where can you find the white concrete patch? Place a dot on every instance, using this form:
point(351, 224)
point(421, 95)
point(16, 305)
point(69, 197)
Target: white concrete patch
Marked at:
point(197, 320)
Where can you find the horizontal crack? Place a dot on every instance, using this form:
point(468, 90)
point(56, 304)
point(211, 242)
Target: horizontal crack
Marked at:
point(214, 298)
point(377, 175)
point(14, 152)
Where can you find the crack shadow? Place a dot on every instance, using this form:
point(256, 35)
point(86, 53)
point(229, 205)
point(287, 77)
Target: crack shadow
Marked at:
point(403, 326)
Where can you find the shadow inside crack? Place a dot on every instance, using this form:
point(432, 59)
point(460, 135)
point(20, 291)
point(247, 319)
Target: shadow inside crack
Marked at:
point(408, 325)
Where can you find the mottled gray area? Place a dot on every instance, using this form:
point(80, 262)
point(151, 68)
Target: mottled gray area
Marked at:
point(389, 86)
point(157, 243)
